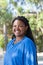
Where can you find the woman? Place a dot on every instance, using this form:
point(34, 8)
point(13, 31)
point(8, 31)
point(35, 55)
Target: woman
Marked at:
point(21, 50)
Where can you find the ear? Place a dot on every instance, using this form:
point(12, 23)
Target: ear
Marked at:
point(26, 28)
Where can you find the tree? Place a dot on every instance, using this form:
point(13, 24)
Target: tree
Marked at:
point(35, 18)
point(3, 3)
point(5, 18)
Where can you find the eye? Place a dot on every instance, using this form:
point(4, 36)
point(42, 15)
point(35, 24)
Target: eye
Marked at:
point(14, 26)
point(21, 26)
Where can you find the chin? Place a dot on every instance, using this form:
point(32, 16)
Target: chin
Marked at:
point(18, 35)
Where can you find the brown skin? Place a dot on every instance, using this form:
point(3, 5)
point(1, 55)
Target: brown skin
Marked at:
point(19, 29)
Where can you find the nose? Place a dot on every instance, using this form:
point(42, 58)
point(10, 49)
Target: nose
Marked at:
point(17, 27)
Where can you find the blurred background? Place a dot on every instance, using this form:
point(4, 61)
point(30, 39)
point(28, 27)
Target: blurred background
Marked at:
point(33, 11)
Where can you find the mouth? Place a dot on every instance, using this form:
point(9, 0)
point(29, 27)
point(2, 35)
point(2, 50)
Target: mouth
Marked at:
point(17, 31)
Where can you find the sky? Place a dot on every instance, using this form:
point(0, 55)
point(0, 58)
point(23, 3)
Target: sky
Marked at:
point(26, 6)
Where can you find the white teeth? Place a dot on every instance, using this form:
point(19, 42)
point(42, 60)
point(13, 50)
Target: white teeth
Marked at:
point(17, 31)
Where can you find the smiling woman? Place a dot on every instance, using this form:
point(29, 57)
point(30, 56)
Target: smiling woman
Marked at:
point(19, 29)
point(21, 50)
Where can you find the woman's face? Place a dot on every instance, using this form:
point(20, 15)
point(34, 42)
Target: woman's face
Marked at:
point(19, 28)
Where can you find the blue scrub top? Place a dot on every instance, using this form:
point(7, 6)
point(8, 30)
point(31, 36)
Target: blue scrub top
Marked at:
point(21, 53)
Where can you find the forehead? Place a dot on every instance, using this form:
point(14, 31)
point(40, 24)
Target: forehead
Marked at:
point(19, 22)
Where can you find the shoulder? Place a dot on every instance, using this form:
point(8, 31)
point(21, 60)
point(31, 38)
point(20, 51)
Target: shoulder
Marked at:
point(29, 45)
point(9, 43)
point(29, 42)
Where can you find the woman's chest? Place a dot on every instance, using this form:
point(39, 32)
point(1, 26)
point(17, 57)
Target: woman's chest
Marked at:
point(16, 51)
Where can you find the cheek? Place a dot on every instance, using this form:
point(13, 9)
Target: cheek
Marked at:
point(23, 30)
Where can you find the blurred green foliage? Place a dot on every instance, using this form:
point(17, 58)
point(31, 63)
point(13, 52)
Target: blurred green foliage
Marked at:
point(35, 20)
point(36, 27)
point(1, 41)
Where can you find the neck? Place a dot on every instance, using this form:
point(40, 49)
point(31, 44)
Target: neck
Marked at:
point(18, 39)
